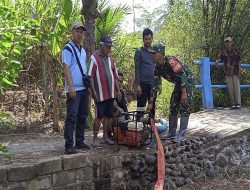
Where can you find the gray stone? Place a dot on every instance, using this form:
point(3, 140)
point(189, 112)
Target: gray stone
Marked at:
point(199, 156)
point(170, 160)
point(179, 182)
point(187, 180)
point(188, 148)
point(183, 143)
point(40, 183)
point(221, 160)
point(3, 174)
point(126, 160)
point(17, 186)
point(188, 142)
point(193, 167)
point(150, 159)
point(211, 173)
point(64, 178)
point(181, 151)
point(84, 174)
point(169, 185)
point(193, 160)
point(172, 167)
point(167, 155)
point(48, 166)
point(75, 161)
point(184, 159)
point(178, 160)
point(21, 173)
point(151, 169)
point(3, 186)
point(116, 175)
point(174, 173)
point(174, 154)
point(116, 162)
point(209, 164)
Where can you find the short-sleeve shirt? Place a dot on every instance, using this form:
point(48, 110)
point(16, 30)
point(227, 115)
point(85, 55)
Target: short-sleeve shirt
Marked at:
point(102, 69)
point(68, 58)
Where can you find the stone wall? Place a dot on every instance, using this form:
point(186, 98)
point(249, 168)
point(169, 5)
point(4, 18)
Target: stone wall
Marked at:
point(69, 172)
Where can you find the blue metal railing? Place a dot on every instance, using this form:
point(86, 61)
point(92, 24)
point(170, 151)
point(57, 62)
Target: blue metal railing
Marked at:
point(206, 85)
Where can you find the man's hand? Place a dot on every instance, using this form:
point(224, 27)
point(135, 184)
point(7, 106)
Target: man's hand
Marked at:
point(120, 110)
point(149, 107)
point(72, 92)
point(138, 90)
point(217, 62)
point(119, 95)
point(159, 89)
point(184, 99)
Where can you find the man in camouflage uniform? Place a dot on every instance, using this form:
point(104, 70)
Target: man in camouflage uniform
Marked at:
point(170, 68)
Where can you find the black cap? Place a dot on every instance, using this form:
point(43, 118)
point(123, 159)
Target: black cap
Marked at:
point(106, 40)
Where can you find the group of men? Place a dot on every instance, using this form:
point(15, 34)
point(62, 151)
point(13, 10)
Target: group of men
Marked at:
point(151, 65)
point(105, 84)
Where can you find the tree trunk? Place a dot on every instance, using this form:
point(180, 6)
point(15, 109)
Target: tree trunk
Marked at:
point(55, 97)
point(90, 14)
point(45, 86)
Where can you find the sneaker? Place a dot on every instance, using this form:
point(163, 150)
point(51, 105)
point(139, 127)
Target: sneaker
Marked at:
point(233, 107)
point(179, 139)
point(70, 151)
point(96, 143)
point(108, 141)
point(238, 106)
point(82, 146)
point(167, 137)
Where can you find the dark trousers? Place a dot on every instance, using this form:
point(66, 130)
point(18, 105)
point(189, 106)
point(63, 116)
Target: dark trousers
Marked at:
point(77, 112)
point(145, 96)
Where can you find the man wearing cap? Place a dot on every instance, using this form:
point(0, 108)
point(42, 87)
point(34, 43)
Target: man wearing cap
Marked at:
point(104, 86)
point(144, 72)
point(231, 58)
point(76, 91)
point(170, 68)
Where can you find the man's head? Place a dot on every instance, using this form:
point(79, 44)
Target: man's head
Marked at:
point(158, 51)
point(147, 36)
point(105, 45)
point(228, 42)
point(78, 31)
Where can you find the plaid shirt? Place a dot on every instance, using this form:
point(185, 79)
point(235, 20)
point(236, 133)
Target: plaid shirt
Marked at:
point(231, 60)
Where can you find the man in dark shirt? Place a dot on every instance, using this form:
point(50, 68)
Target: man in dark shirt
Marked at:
point(231, 58)
point(144, 72)
point(170, 68)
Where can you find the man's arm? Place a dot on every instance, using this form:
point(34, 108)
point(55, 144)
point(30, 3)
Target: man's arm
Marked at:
point(92, 73)
point(66, 71)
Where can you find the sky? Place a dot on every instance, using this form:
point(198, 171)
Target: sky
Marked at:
point(150, 5)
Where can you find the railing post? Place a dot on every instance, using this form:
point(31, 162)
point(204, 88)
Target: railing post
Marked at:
point(207, 94)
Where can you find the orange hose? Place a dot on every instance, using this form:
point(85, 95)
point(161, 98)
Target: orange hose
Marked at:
point(160, 160)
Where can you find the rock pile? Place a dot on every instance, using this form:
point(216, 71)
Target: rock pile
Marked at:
point(190, 159)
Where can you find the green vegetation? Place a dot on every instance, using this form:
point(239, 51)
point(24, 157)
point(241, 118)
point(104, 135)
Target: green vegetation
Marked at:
point(33, 33)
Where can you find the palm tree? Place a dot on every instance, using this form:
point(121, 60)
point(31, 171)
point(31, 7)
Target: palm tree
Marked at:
point(110, 20)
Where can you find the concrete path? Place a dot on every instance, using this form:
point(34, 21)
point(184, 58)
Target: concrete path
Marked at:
point(32, 147)
point(222, 122)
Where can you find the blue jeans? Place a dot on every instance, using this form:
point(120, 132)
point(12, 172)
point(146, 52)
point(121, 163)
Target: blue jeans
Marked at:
point(77, 113)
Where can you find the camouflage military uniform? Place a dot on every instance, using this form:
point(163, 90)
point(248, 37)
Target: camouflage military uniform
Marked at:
point(184, 78)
